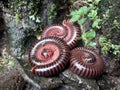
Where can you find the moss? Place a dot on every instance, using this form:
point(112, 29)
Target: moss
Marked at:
point(110, 27)
point(110, 15)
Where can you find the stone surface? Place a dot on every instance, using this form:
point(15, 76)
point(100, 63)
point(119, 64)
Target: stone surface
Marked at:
point(109, 83)
point(10, 79)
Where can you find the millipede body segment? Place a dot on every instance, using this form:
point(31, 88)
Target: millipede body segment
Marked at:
point(86, 62)
point(49, 56)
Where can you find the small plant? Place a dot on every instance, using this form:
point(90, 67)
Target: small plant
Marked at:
point(87, 14)
point(108, 47)
point(6, 60)
point(25, 8)
point(52, 12)
point(87, 37)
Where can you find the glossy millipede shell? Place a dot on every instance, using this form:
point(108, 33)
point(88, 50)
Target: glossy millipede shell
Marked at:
point(86, 62)
point(68, 31)
point(49, 56)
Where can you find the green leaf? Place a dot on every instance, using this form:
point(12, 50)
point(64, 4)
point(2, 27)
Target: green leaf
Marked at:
point(17, 16)
point(84, 36)
point(74, 12)
point(102, 40)
point(96, 23)
point(91, 6)
point(92, 44)
point(91, 34)
point(88, 36)
point(38, 20)
point(75, 18)
point(5, 61)
point(82, 20)
point(1, 69)
point(92, 14)
point(90, 0)
point(83, 10)
point(11, 63)
point(32, 17)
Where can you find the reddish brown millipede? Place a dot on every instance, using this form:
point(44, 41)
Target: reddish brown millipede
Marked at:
point(49, 56)
point(86, 62)
point(68, 31)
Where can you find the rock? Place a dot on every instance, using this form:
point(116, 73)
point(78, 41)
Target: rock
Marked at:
point(78, 83)
point(16, 34)
point(10, 79)
point(109, 83)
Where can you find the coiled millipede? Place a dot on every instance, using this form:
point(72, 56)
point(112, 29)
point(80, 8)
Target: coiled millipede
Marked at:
point(86, 62)
point(49, 56)
point(68, 31)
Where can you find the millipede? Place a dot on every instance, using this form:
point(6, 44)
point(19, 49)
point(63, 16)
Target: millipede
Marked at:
point(67, 31)
point(86, 62)
point(49, 56)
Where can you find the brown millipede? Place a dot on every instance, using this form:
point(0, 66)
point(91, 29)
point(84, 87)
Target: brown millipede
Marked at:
point(68, 31)
point(86, 62)
point(49, 56)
